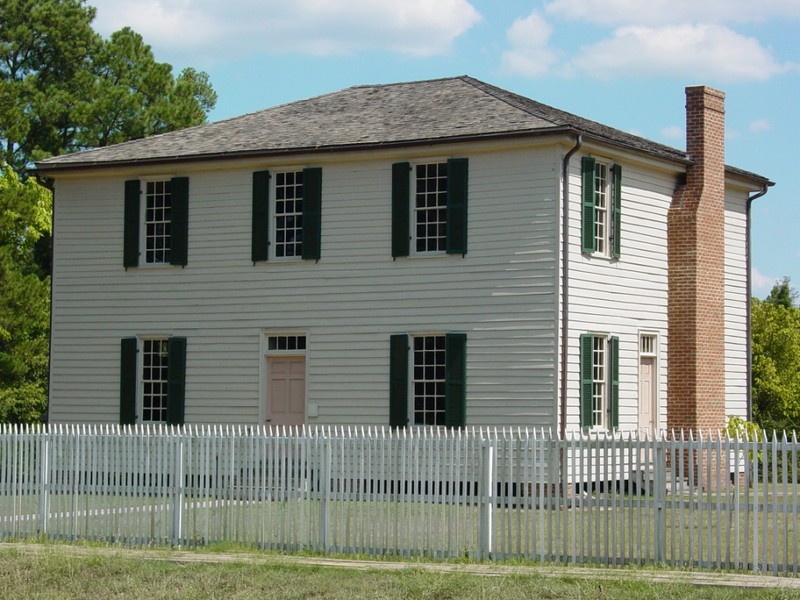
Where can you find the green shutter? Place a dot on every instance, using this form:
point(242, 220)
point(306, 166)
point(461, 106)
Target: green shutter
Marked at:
point(179, 226)
point(130, 256)
point(616, 216)
point(312, 213)
point(176, 380)
point(455, 390)
point(398, 380)
point(613, 397)
point(127, 381)
point(587, 207)
point(457, 183)
point(586, 380)
point(260, 231)
point(401, 209)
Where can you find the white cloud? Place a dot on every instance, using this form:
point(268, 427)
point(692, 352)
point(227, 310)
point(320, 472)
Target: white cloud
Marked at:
point(761, 283)
point(709, 52)
point(530, 53)
point(674, 132)
point(760, 126)
point(663, 12)
point(208, 27)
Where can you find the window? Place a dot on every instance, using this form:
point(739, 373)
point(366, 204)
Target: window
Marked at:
point(287, 223)
point(599, 381)
point(435, 368)
point(286, 215)
point(155, 368)
point(286, 343)
point(157, 221)
point(429, 207)
point(152, 387)
point(159, 224)
point(601, 214)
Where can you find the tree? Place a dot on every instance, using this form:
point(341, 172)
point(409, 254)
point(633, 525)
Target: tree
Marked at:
point(776, 358)
point(64, 88)
point(44, 45)
point(25, 210)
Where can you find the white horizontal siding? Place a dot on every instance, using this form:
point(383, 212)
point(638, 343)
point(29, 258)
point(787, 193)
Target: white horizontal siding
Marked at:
point(501, 294)
point(622, 297)
point(736, 294)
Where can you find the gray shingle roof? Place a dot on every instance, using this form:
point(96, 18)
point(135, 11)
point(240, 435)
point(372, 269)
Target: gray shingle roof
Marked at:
point(367, 116)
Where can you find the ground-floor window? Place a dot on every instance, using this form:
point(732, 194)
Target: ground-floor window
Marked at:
point(599, 385)
point(428, 379)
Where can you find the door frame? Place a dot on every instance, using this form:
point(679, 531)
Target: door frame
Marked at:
point(650, 350)
point(265, 352)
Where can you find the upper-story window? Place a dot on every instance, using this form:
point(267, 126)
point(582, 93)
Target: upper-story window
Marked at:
point(157, 221)
point(287, 215)
point(287, 223)
point(156, 227)
point(429, 207)
point(602, 207)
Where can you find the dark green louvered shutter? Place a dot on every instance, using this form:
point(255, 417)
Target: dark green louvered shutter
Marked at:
point(455, 390)
point(312, 213)
point(457, 184)
point(260, 231)
point(130, 251)
point(398, 380)
point(127, 381)
point(587, 205)
point(176, 380)
point(586, 365)
point(401, 209)
point(179, 226)
point(613, 396)
point(616, 216)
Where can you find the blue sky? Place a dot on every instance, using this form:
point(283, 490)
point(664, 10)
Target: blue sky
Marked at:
point(624, 63)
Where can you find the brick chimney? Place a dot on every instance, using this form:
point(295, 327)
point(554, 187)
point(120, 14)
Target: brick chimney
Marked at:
point(696, 313)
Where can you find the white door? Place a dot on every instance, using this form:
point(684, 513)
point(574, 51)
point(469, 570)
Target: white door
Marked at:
point(647, 394)
point(286, 398)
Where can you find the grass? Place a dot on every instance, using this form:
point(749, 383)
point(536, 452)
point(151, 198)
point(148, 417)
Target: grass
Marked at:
point(54, 571)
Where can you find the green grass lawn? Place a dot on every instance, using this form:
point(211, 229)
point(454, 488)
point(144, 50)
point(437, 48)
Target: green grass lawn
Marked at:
point(54, 571)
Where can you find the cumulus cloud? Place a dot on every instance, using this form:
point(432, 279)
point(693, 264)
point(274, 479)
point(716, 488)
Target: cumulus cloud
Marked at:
point(321, 27)
point(700, 51)
point(530, 52)
point(760, 126)
point(761, 283)
point(674, 132)
point(665, 12)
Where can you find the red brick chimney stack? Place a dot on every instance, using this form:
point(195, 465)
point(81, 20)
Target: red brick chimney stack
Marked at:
point(696, 226)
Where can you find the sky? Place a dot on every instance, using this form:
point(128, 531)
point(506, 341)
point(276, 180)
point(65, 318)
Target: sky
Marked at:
point(624, 63)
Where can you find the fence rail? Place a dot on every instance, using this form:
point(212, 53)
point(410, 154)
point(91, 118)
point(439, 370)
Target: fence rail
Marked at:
point(681, 500)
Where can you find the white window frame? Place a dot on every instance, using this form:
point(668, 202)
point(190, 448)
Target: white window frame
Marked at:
point(142, 383)
point(277, 248)
point(149, 260)
point(601, 383)
point(431, 380)
point(603, 205)
point(441, 236)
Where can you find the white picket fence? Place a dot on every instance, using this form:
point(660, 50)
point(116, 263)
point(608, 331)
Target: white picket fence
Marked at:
point(708, 502)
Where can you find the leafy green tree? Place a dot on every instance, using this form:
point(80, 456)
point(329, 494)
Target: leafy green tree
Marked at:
point(131, 96)
point(44, 45)
point(25, 210)
point(776, 359)
point(64, 88)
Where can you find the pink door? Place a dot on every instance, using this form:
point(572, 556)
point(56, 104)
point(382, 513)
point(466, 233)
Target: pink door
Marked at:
point(287, 390)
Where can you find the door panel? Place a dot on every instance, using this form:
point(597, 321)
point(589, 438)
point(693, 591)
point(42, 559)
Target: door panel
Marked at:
point(286, 391)
point(647, 412)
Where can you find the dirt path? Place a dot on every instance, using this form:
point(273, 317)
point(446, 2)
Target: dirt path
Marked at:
point(488, 570)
